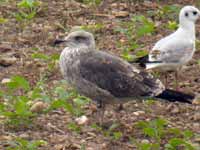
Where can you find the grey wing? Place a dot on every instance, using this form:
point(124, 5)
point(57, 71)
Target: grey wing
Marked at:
point(119, 78)
point(172, 52)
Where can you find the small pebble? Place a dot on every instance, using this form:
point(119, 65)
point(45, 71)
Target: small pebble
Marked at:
point(137, 113)
point(38, 107)
point(5, 80)
point(145, 141)
point(196, 117)
point(82, 120)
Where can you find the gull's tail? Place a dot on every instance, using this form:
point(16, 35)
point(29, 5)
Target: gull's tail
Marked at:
point(145, 63)
point(154, 64)
point(174, 96)
point(141, 61)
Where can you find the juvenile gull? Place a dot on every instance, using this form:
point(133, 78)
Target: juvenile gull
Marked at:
point(177, 49)
point(105, 78)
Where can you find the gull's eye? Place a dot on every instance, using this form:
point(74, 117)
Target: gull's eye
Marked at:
point(186, 14)
point(194, 13)
point(79, 38)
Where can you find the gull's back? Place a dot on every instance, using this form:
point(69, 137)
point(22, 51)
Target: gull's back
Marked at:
point(176, 49)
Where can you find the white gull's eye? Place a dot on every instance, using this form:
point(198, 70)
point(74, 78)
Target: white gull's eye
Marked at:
point(194, 13)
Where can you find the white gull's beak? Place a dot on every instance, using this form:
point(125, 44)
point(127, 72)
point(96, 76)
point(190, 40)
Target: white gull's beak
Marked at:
point(198, 12)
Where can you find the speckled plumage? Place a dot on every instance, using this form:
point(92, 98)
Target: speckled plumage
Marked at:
point(102, 76)
point(105, 78)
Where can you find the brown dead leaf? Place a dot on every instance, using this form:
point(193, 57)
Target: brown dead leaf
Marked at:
point(120, 13)
point(38, 106)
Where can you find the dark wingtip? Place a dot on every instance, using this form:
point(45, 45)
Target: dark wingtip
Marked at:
point(174, 96)
point(143, 65)
point(141, 61)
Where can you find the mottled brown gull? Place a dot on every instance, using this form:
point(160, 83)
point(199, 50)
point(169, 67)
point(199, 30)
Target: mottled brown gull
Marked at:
point(105, 78)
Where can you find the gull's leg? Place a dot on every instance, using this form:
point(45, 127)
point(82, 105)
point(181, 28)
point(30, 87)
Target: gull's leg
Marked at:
point(120, 107)
point(117, 111)
point(166, 81)
point(176, 78)
point(101, 107)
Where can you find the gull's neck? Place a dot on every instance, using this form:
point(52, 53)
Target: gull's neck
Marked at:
point(78, 49)
point(188, 28)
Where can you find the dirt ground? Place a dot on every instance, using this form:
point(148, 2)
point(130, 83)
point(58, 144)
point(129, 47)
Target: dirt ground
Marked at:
point(54, 20)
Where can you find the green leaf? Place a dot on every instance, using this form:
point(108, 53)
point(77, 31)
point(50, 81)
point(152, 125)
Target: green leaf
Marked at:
point(93, 27)
point(57, 104)
point(40, 56)
point(142, 124)
point(18, 17)
point(170, 9)
point(92, 2)
point(33, 145)
point(81, 100)
point(61, 103)
point(30, 15)
point(172, 25)
point(22, 144)
point(55, 57)
point(188, 134)
point(141, 53)
point(21, 107)
point(198, 62)
point(150, 132)
point(145, 146)
point(176, 142)
point(3, 20)
point(1, 94)
point(175, 131)
point(114, 126)
point(26, 3)
point(144, 26)
point(133, 46)
point(160, 122)
point(62, 93)
point(74, 127)
point(127, 56)
point(145, 29)
point(117, 135)
point(18, 82)
point(69, 108)
point(2, 108)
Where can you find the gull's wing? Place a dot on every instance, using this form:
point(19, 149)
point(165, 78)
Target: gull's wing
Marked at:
point(172, 50)
point(116, 76)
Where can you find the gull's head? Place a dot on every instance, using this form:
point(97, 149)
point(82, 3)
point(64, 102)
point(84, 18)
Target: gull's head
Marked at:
point(188, 14)
point(79, 39)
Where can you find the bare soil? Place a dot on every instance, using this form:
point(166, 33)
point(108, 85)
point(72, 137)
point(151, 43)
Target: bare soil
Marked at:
point(20, 40)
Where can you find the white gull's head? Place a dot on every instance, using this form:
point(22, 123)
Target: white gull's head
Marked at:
point(188, 15)
point(80, 39)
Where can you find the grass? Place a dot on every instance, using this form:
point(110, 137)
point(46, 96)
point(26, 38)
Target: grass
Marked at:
point(27, 9)
point(138, 27)
point(19, 95)
point(156, 132)
point(22, 144)
point(90, 2)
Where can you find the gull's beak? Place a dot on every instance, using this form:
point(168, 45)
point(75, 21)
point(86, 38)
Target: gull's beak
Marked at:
point(198, 12)
point(58, 41)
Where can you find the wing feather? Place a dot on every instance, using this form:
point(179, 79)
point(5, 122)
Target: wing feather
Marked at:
point(112, 74)
point(172, 51)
